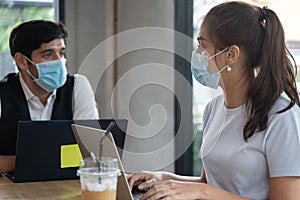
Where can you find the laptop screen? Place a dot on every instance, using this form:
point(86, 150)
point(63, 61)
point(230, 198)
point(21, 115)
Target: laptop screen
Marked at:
point(90, 143)
point(39, 147)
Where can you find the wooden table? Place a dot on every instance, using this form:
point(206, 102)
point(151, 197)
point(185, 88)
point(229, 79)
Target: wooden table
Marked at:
point(67, 189)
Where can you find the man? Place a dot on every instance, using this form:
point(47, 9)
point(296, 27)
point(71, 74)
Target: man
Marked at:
point(42, 90)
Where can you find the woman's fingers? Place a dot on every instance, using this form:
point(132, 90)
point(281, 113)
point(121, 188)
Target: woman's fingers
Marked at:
point(147, 184)
point(158, 190)
point(139, 176)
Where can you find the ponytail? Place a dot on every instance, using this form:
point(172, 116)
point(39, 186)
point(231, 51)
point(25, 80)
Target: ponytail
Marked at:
point(276, 75)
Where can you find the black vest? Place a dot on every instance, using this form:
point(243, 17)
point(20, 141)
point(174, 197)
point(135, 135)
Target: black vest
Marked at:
point(14, 108)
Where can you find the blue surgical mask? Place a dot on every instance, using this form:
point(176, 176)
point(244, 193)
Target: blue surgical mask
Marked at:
point(199, 68)
point(51, 75)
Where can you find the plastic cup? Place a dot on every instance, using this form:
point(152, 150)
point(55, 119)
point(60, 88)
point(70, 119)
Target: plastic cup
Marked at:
point(98, 183)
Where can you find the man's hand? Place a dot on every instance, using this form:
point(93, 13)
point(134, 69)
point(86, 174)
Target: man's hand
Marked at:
point(7, 164)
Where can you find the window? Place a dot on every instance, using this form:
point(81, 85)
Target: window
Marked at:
point(14, 12)
point(288, 12)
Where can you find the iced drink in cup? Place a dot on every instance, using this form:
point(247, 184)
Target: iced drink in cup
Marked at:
point(98, 183)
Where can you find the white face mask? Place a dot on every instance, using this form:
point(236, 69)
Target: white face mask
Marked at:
point(199, 68)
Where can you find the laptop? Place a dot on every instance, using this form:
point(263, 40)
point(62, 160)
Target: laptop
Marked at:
point(46, 149)
point(88, 140)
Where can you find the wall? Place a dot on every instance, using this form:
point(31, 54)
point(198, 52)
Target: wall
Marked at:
point(125, 48)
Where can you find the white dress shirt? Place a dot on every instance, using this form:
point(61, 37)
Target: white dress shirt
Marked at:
point(84, 104)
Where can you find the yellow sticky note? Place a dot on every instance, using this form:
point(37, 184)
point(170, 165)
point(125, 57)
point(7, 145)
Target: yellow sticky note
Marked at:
point(70, 156)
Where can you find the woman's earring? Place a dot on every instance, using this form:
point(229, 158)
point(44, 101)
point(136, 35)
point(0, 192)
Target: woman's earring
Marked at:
point(228, 68)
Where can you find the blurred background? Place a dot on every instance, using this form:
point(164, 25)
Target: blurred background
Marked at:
point(164, 104)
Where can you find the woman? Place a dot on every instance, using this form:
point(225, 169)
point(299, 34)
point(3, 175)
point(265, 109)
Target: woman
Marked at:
point(251, 134)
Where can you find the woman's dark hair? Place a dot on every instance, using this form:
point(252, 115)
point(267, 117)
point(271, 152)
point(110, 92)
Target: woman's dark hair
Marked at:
point(29, 36)
point(260, 35)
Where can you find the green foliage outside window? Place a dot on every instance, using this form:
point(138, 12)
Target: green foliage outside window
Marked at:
point(298, 76)
point(196, 159)
point(11, 17)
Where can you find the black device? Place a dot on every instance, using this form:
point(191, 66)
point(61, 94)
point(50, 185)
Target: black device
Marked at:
point(38, 153)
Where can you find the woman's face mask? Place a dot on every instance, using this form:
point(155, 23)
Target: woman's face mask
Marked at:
point(199, 68)
point(51, 75)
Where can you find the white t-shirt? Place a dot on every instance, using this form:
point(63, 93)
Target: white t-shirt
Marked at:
point(242, 167)
point(84, 104)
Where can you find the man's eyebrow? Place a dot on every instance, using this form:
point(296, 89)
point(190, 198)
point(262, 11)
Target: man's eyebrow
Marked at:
point(46, 50)
point(50, 50)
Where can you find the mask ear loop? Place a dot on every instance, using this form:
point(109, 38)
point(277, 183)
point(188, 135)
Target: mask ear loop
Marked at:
point(227, 67)
point(33, 78)
point(28, 70)
point(219, 53)
point(30, 60)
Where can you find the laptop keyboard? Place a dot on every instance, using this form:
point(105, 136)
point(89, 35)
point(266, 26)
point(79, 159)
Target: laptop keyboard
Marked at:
point(137, 196)
point(136, 193)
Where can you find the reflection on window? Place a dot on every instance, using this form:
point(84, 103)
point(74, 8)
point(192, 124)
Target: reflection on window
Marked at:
point(288, 12)
point(14, 12)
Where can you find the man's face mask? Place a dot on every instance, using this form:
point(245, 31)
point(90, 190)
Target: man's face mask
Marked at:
point(51, 75)
point(199, 67)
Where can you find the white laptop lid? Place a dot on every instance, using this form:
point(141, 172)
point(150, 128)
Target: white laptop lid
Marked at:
point(88, 140)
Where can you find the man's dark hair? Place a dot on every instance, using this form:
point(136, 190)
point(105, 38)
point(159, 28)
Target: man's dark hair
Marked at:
point(29, 36)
